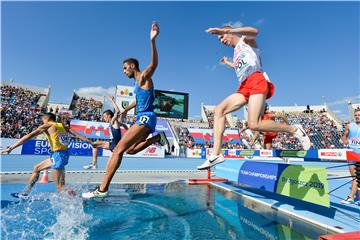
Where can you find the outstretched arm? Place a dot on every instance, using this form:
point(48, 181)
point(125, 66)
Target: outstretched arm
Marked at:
point(149, 71)
point(25, 138)
point(76, 134)
point(248, 32)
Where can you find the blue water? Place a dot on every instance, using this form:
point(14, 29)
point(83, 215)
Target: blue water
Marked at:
point(136, 211)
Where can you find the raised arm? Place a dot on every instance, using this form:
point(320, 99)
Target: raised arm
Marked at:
point(150, 69)
point(27, 137)
point(116, 108)
point(346, 134)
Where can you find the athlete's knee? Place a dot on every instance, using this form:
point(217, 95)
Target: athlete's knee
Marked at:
point(37, 168)
point(254, 126)
point(219, 111)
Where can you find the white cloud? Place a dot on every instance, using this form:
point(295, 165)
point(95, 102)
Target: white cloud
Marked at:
point(96, 91)
point(259, 22)
point(235, 24)
point(211, 67)
point(345, 100)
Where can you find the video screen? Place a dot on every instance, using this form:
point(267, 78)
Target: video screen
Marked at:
point(171, 104)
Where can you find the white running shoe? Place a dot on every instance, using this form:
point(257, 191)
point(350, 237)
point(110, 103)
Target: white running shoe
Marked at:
point(300, 134)
point(211, 161)
point(348, 200)
point(164, 141)
point(90, 167)
point(94, 194)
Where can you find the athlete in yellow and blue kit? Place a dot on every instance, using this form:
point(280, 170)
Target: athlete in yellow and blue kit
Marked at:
point(59, 157)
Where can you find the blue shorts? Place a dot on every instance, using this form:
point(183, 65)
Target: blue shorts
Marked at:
point(148, 119)
point(59, 159)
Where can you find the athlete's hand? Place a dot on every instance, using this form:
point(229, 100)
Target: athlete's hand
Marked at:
point(111, 98)
point(7, 150)
point(155, 30)
point(217, 31)
point(224, 60)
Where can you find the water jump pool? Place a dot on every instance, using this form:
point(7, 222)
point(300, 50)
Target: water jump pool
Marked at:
point(139, 211)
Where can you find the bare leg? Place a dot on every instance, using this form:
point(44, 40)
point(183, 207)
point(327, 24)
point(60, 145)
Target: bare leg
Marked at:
point(353, 183)
point(131, 137)
point(255, 110)
point(59, 178)
point(230, 104)
point(142, 145)
point(36, 173)
point(95, 152)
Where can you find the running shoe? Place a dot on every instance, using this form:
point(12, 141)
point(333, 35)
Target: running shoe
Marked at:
point(211, 161)
point(164, 141)
point(302, 137)
point(348, 200)
point(94, 194)
point(90, 167)
point(20, 195)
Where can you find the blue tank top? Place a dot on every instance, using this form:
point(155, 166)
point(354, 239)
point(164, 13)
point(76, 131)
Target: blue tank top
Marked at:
point(116, 134)
point(354, 137)
point(144, 99)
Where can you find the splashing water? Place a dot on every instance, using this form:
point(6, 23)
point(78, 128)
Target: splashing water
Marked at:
point(45, 216)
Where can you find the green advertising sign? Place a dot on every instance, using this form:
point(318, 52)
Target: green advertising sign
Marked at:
point(306, 183)
point(247, 153)
point(293, 153)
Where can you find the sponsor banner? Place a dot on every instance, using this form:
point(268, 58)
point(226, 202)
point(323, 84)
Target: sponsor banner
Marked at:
point(229, 169)
point(193, 153)
point(152, 151)
point(260, 175)
point(306, 183)
point(162, 125)
point(6, 142)
point(41, 147)
point(124, 96)
point(94, 130)
point(266, 153)
point(332, 154)
point(201, 135)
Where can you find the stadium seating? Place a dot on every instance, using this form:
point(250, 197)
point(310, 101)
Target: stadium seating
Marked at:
point(20, 111)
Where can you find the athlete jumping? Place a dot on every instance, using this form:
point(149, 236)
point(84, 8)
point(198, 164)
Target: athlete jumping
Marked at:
point(54, 132)
point(255, 87)
point(135, 139)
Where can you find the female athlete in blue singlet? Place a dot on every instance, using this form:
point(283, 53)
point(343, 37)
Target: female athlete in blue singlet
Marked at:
point(135, 139)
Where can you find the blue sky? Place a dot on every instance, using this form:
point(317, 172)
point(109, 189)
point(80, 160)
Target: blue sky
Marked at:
point(310, 49)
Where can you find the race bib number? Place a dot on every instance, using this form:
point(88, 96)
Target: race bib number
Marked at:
point(144, 119)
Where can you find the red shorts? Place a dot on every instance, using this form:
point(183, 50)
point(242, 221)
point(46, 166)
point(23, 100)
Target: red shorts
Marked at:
point(268, 137)
point(256, 83)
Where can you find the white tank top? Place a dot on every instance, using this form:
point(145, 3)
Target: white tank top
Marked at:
point(354, 137)
point(246, 59)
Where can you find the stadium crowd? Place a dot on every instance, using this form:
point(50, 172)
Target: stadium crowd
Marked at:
point(88, 109)
point(20, 113)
